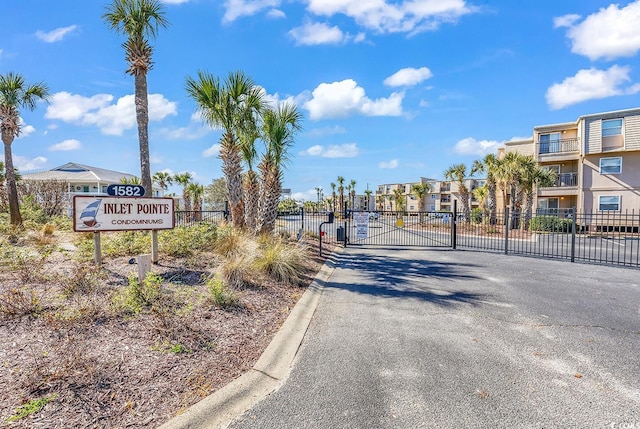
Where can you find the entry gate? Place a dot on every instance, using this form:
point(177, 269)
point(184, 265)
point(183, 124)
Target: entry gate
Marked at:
point(390, 228)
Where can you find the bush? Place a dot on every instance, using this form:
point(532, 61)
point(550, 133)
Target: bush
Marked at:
point(551, 224)
point(280, 260)
point(476, 216)
point(137, 296)
point(220, 295)
point(187, 240)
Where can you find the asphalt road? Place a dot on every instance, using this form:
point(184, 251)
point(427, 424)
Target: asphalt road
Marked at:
point(414, 338)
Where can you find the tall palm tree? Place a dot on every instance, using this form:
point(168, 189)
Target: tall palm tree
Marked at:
point(184, 179)
point(278, 132)
point(234, 106)
point(490, 165)
point(420, 190)
point(531, 177)
point(508, 176)
point(340, 181)
point(162, 179)
point(352, 193)
point(458, 173)
point(333, 196)
point(138, 20)
point(15, 94)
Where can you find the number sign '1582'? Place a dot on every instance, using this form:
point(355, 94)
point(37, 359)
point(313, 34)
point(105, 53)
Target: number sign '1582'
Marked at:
point(125, 190)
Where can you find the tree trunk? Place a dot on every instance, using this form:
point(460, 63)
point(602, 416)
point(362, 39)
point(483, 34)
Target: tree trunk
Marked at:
point(232, 169)
point(12, 190)
point(492, 201)
point(142, 117)
point(251, 194)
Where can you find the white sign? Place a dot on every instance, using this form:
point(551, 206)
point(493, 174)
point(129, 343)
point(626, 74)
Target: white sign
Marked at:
point(96, 214)
point(361, 220)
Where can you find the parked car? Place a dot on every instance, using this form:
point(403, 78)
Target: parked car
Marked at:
point(374, 215)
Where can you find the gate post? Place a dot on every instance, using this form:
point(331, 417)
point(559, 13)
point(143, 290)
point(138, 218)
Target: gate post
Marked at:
point(454, 226)
point(506, 231)
point(573, 235)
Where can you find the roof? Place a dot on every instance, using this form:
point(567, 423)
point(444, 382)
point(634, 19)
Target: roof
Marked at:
point(78, 173)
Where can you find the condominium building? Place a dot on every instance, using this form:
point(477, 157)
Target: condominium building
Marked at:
point(596, 158)
point(440, 196)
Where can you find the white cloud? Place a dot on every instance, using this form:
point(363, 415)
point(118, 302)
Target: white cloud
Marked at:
point(317, 34)
point(610, 33)
point(389, 164)
point(589, 85)
point(347, 150)
point(212, 151)
point(345, 98)
point(25, 164)
point(55, 35)
point(66, 145)
point(408, 77)
point(238, 8)
point(276, 14)
point(112, 119)
point(471, 146)
point(409, 16)
point(565, 21)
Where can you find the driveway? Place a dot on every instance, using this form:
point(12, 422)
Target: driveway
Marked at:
point(414, 338)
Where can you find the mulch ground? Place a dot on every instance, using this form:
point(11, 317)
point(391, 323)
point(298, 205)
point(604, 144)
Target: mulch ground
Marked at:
point(98, 369)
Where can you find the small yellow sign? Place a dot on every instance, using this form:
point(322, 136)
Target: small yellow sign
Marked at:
point(399, 222)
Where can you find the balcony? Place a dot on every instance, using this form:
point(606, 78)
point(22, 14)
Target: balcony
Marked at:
point(566, 180)
point(445, 199)
point(558, 146)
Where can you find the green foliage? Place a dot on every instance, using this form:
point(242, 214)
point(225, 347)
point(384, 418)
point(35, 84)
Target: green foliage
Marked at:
point(136, 297)
point(476, 216)
point(187, 240)
point(125, 243)
point(551, 224)
point(31, 210)
point(288, 205)
point(179, 348)
point(221, 295)
point(31, 407)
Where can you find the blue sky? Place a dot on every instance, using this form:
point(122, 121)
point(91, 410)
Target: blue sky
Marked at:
point(391, 90)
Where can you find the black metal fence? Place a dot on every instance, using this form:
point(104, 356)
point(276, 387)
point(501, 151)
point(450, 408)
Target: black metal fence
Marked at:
point(607, 237)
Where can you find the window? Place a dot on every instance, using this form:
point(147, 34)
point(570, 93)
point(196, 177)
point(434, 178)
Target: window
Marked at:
point(611, 165)
point(432, 207)
point(612, 127)
point(548, 204)
point(433, 196)
point(85, 189)
point(550, 143)
point(609, 202)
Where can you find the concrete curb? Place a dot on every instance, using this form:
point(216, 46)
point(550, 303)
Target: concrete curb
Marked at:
point(270, 371)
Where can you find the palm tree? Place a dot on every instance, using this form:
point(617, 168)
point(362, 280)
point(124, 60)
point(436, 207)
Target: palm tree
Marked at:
point(195, 192)
point(458, 173)
point(250, 182)
point(481, 194)
point(531, 177)
point(138, 20)
point(279, 129)
point(490, 165)
point(340, 181)
point(184, 179)
point(419, 190)
point(398, 197)
point(15, 94)
point(235, 106)
point(368, 193)
point(333, 196)
point(352, 192)
point(162, 179)
point(380, 200)
point(508, 176)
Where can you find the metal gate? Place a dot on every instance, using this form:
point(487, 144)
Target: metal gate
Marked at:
point(390, 228)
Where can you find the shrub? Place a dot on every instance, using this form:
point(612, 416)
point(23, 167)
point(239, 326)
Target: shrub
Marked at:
point(281, 261)
point(551, 224)
point(476, 216)
point(18, 302)
point(137, 296)
point(187, 240)
point(220, 295)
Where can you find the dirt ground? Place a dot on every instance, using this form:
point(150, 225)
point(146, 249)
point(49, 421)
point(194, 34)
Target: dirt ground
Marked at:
point(63, 346)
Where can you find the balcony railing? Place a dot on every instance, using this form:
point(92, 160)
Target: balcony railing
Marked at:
point(445, 200)
point(565, 180)
point(559, 146)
